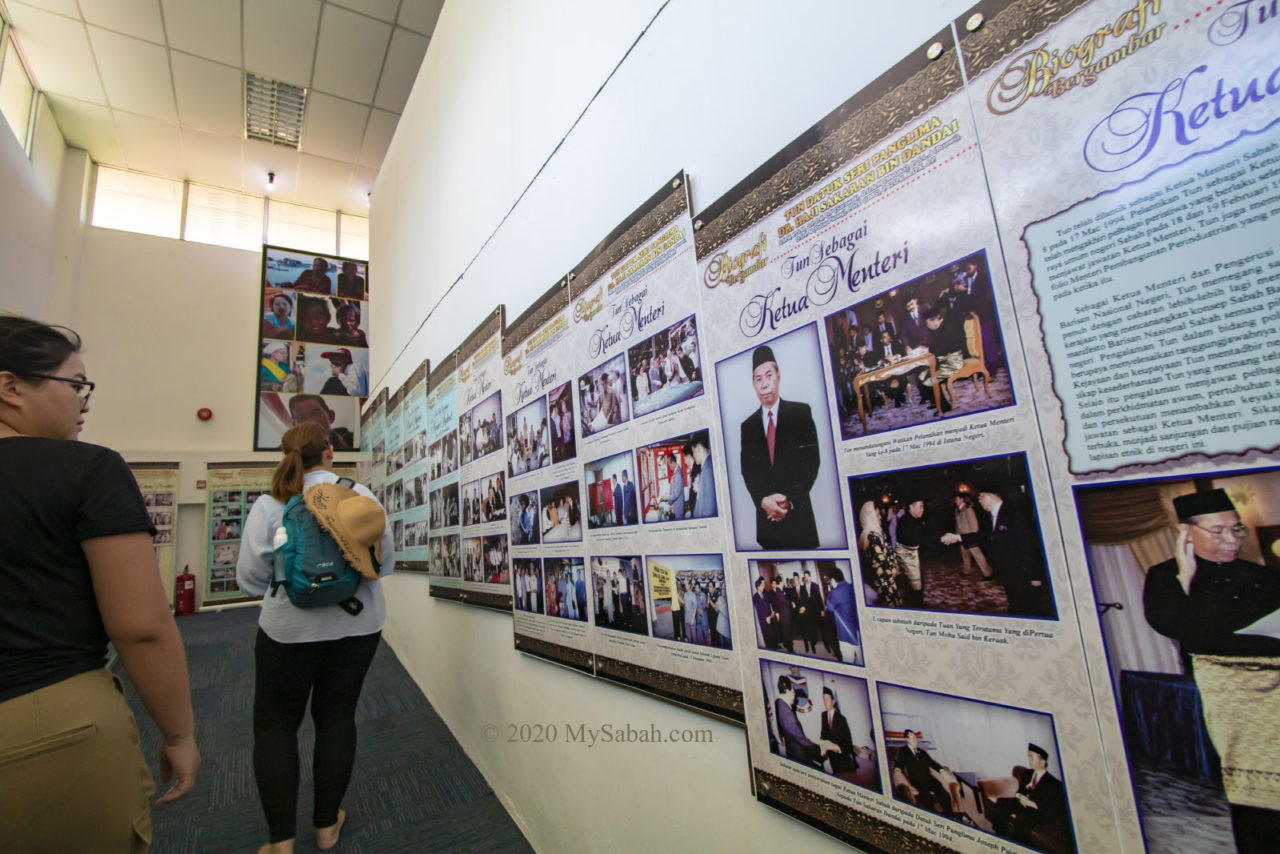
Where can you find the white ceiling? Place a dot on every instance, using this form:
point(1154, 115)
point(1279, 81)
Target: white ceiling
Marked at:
point(157, 86)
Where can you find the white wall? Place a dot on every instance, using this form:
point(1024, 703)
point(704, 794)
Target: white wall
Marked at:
point(28, 220)
point(712, 86)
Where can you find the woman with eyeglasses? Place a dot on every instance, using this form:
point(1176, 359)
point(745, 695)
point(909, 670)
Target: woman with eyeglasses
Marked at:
point(77, 569)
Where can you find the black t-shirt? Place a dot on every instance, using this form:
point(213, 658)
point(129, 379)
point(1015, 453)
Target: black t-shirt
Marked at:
point(55, 494)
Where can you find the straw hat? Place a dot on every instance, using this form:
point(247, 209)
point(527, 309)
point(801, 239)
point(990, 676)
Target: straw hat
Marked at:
point(355, 522)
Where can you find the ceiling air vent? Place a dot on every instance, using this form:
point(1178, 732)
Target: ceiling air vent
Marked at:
point(273, 110)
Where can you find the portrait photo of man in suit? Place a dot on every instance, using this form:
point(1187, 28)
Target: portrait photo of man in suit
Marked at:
point(783, 479)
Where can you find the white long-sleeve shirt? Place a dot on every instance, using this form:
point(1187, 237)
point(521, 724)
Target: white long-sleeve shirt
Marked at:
point(281, 619)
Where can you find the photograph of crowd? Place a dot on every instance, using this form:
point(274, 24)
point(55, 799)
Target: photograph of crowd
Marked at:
point(415, 449)
point(822, 721)
point(666, 368)
point(528, 438)
point(443, 510)
point(480, 429)
point(900, 358)
point(415, 534)
point(782, 468)
point(991, 767)
point(397, 534)
point(395, 497)
point(689, 600)
point(619, 587)
point(612, 499)
point(960, 537)
point(484, 500)
point(677, 479)
point(560, 406)
point(415, 491)
point(157, 499)
point(565, 588)
point(526, 585)
point(602, 394)
point(443, 556)
point(226, 529)
point(801, 605)
point(226, 553)
point(442, 458)
point(561, 518)
point(1186, 575)
point(484, 559)
point(523, 514)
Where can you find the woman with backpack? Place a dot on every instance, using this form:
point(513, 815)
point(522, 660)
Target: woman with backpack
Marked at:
point(318, 652)
point(77, 568)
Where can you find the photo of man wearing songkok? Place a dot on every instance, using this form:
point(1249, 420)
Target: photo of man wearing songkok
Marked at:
point(783, 485)
point(1186, 573)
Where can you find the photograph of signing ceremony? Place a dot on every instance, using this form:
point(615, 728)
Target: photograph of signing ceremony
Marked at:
point(1186, 578)
point(666, 368)
point(991, 767)
point(927, 349)
point(565, 585)
point(619, 589)
point(561, 517)
point(602, 395)
point(528, 438)
point(524, 519)
point(484, 500)
point(806, 607)
point(443, 556)
point(689, 599)
point(822, 721)
point(677, 479)
point(960, 537)
point(526, 584)
point(560, 409)
point(612, 499)
point(480, 429)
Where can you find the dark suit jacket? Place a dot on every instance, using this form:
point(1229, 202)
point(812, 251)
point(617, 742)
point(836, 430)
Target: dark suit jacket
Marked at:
point(882, 355)
point(917, 766)
point(836, 728)
point(629, 502)
point(1050, 798)
point(1011, 548)
point(795, 743)
point(914, 332)
point(792, 473)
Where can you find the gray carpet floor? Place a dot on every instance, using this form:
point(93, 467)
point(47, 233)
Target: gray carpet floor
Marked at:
point(413, 790)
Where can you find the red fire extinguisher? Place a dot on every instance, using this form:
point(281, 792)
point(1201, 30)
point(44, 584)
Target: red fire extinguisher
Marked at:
point(184, 593)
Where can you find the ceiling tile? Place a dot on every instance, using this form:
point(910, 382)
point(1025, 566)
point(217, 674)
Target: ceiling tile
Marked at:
point(322, 183)
point(215, 160)
point(208, 28)
point(88, 126)
point(280, 39)
point(263, 157)
point(57, 53)
point(350, 54)
point(135, 74)
point(333, 127)
point(382, 126)
point(210, 95)
point(151, 145)
point(403, 61)
point(58, 7)
point(138, 18)
point(420, 15)
point(383, 10)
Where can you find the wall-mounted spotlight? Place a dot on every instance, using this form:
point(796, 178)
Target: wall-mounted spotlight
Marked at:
point(368, 200)
point(271, 181)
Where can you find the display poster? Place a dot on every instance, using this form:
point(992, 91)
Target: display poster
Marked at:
point(542, 500)
point(158, 483)
point(413, 557)
point(312, 360)
point(482, 549)
point(442, 477)
point(372, 469)
point(653, 508)
point(393, 489)
point(233, 488)
point(1134, 158)
point(912, 654)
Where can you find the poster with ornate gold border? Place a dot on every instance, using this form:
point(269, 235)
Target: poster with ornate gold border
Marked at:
point(158, 483)
point(442, 476)
point(411, 554)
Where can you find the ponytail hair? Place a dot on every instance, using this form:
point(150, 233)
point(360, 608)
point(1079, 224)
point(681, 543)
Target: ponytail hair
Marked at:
point(303, 448)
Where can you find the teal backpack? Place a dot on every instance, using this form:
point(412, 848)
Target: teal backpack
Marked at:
point(309, 564)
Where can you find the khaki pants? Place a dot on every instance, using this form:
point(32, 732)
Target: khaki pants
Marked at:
point(72, 776)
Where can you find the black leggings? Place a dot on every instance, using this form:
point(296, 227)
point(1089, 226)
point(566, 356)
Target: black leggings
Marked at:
point(332, 673)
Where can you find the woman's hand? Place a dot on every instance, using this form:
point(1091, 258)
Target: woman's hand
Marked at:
point(179, 761)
